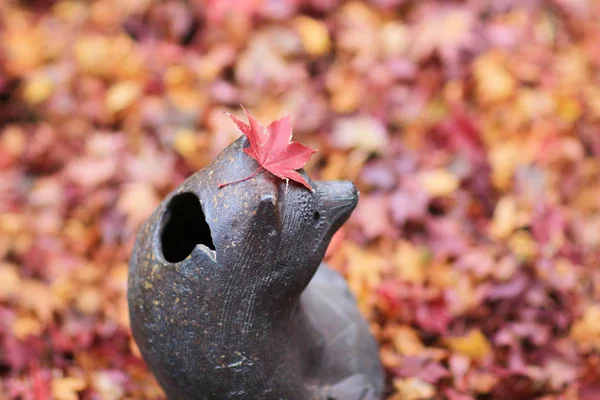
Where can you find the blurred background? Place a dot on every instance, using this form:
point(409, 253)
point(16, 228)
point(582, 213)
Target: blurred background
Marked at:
point(472, 129)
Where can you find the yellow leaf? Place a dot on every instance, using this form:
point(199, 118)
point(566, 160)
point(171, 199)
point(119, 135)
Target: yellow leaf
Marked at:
point(177, 76)
point(573, 68)
point(413, 389)
point(137, 201)
point(475, 345)
point(505, 218)
point(69, 11)
point(535, 104)
point(586, 331)
point(25, 326)
point(569, 109)
point(186, 99)
point(438, 182)
point(9, 281)
point(92, 54)
point(13, 139)
point(359, 132)
point(482, 382)
point(122, 95)
point(441, 275)
point(347, 98)
point(503, 159)
point(494, 82)
point(88, 300)
point(107, 387)
point(37, 89)
point(442, 32)
point(592, 100)
point(389, 356)
point(314, 35)
point(395, 38)
point(345, 89)
point(185, 142)
point(37, 297)
point(67, 388)
point(522, 245)
point(23, 45)
point(12, 223)
point(410, 262)
point(406, 341)
point(362, 280)
point(464, 295)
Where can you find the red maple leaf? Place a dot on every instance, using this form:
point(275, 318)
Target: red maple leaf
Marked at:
point(273, 149)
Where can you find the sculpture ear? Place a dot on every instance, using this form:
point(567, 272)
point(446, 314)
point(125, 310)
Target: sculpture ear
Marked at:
point(267, 214)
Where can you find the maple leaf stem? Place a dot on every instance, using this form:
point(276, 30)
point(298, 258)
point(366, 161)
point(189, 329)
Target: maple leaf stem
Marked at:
point(241, 180)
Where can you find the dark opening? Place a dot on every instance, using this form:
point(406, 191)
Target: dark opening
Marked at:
point(183, 227)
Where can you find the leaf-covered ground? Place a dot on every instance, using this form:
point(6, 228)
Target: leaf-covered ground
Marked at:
point(472, 129)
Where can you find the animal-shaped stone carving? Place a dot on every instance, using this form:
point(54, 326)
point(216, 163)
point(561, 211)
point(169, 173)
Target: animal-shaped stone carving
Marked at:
point(228, 297)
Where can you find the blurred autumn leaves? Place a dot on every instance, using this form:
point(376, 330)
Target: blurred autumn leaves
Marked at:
point(471, 128)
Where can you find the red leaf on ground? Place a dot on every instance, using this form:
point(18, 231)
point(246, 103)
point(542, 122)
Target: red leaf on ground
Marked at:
point(273, 149)
point(217, 11)
point(426, 370)
point(42, 382)
point(434, 317)
point(452, 394)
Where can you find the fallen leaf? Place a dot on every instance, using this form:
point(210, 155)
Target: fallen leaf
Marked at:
point(446, 31)
point(475, 345)
point(25, 326)
point(67, 388)
point(373, 215)
point(314, 35)
point(438, 182)
point(38, 88)
point(505, 218)
point(395, 38)
point(504, 159)
point(413, 389)
point(92, 53)
point(410, 262)
point(482, 382)
point(421, 368)
point(9, 281)
point(433, 317)
point(274, 150)
point(122, 95)
point(137, 201)
point(494, 82)
point(359, 132)
point(110, 384)
point(560, 374)
point(455, 395)
point(407, 342)
point(586, 331)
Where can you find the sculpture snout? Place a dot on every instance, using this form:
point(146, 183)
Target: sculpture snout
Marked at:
point(339, 198)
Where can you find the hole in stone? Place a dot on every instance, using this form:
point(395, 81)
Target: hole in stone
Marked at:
point(317, 216)
point(183, 227)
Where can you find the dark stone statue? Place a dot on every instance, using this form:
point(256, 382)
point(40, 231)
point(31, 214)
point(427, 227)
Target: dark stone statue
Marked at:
point(228, 298)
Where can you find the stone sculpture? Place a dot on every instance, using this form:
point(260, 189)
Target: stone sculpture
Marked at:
point(228, 296)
